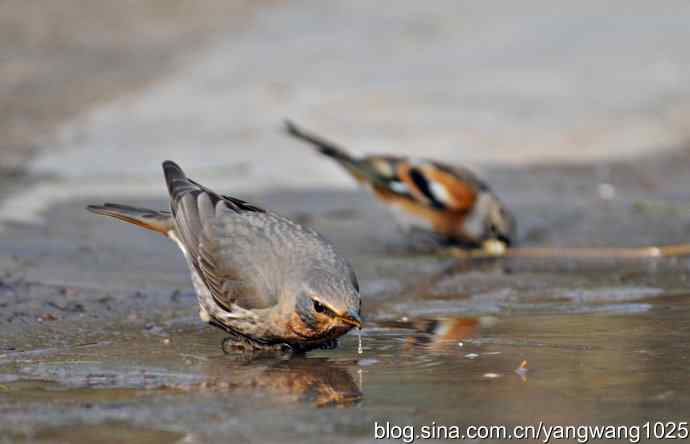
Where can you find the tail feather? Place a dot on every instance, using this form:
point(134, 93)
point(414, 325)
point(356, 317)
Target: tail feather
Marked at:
point(361, 169)
point(185, 215)
point(160, 221)
point(324, 146)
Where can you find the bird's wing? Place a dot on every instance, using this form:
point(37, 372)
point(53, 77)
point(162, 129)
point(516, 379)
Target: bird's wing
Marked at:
point(246, 256)
point(276, 252)
point(226, 251)
point(439, 186)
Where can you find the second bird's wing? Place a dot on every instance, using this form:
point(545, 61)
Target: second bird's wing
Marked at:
point(440, 186)
point(419, 182)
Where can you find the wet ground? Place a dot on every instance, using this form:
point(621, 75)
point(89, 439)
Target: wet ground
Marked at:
point(99, 337)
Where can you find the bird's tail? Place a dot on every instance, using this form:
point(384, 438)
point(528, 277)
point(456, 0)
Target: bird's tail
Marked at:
point(160, 221)
point(377, 171)
point(324, 146)
point(359, 168)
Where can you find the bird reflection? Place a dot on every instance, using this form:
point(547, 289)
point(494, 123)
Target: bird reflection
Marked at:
point(315, 381)
point(441, 333)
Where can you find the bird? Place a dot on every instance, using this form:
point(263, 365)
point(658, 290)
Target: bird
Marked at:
point(449, 204)
point(270, 283)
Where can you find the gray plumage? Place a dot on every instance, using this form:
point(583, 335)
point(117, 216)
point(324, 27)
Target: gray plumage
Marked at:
point(261, 277)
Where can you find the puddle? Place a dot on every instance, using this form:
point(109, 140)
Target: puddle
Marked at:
point(584, 368)
point(105, 434)
point(100, 337)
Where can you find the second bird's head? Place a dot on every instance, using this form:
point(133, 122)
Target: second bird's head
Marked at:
point(490, 220)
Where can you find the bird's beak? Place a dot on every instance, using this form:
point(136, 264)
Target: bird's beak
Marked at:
point(351, 317)
point(495, 247)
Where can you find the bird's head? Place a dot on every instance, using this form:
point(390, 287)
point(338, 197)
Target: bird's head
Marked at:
point(489, 220)
point(327, 305)
point(500, 223)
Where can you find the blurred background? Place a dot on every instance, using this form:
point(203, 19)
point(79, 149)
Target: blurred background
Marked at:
point(95, 95)
point(100, 89)
point(577, 114)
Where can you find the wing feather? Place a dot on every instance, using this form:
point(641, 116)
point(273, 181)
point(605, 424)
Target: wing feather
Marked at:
point(245, 256)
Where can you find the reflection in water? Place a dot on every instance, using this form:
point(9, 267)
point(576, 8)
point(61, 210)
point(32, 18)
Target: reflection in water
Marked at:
point(585, 369)
point(298, 379)
point(441, 333)
point(445, 332)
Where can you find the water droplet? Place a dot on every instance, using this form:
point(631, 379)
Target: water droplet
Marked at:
point(360, 350)
point(366, 362)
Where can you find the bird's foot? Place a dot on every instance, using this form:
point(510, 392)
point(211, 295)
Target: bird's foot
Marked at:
point(237, 344)
point(233, 344)
point(329, 345)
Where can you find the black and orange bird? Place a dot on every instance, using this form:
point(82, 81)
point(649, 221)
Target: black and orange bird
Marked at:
point(448, 202)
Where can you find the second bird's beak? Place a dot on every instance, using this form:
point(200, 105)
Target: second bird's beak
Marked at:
point(351, 317)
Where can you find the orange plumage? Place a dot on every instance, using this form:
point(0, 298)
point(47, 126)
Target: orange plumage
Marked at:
point(447, 201)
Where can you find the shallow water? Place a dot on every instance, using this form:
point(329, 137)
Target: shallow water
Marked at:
point(171, 382)
point(100, 338)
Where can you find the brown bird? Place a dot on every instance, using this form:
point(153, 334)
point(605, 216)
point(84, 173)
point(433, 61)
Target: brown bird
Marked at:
point(448, 202)
point(270, 283)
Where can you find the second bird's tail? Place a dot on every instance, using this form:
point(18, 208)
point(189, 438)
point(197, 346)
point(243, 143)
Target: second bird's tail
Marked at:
point(324, 146)
point(377, 171)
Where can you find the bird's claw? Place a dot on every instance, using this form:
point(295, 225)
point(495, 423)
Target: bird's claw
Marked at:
point(236, 344)
point(329, 345)
point(233, 344)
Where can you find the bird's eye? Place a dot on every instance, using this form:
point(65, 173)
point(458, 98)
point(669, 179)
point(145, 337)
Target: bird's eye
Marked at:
point(319, 307)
